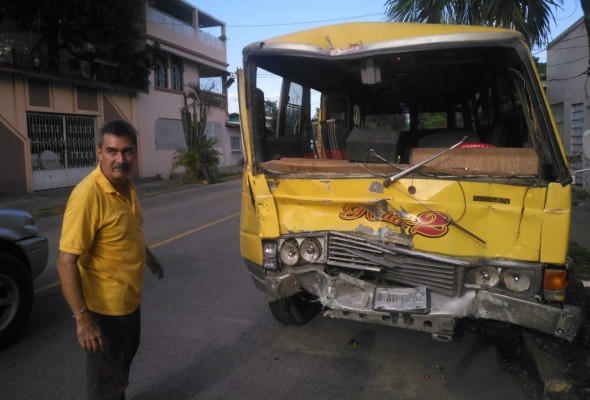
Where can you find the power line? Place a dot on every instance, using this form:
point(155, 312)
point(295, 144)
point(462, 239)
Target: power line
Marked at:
point(567, 79)
point(301, 23)
point(569, 16)
point(571, 47)
point(566, 62)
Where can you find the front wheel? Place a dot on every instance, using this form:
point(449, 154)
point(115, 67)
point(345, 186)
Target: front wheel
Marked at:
point(295, 310)
point(16, 297)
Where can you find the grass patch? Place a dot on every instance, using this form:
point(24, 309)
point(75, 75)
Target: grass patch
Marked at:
point(579, 194)
point(573, 356)
point(581, 260)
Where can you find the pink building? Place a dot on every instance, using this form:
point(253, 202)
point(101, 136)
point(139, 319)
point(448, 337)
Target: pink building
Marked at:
point(48, 122)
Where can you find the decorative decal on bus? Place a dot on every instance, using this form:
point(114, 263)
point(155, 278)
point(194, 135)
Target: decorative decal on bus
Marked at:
point(432, 224)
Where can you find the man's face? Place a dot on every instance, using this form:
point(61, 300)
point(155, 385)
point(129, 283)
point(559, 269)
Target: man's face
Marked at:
point(116, 156)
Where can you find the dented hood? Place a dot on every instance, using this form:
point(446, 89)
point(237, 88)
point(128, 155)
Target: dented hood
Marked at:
point(463, 219)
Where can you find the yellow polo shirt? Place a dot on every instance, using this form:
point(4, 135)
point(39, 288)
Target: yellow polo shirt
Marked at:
point(105, 230)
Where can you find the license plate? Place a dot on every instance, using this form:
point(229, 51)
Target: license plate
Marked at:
point(401, 299)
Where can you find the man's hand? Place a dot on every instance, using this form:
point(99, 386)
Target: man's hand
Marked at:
point(88, 332)
point(89, 335)
point(153, 264)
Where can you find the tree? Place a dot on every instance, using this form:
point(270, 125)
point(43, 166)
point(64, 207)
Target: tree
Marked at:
point(69, 33)
point(200, 158)
point(529, 17)
point(271, 110)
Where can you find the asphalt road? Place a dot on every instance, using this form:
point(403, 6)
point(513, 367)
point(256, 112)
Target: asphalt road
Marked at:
point(208, 333)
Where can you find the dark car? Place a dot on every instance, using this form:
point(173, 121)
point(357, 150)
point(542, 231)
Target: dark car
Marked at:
point(23, 256)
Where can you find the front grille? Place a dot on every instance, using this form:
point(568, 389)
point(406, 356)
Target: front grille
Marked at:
point(395, 263)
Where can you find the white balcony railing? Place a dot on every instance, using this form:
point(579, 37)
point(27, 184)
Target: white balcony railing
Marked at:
point(157, 17)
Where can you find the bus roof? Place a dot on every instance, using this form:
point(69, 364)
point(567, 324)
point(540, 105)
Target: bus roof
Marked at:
point(364, 35)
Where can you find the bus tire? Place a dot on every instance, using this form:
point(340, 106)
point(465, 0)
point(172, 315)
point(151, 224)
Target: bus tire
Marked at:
point(298, 309)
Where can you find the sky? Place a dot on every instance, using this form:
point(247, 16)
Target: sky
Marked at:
point(249, 21)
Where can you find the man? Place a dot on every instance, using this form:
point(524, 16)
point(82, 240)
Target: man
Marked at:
point(101, 262)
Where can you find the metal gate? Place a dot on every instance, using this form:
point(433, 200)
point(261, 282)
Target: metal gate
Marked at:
point(62, 149)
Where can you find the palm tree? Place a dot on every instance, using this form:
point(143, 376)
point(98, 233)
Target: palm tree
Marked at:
point(531, 18)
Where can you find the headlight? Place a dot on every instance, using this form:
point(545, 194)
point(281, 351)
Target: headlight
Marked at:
point(290, 252)
point(310, 250)
point(486, 276)
point(516, 280)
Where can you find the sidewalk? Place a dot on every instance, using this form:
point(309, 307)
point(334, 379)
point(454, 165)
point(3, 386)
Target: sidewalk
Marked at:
point(45, 203)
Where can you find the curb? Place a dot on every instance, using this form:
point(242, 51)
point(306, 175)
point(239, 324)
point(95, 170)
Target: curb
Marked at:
point(546, 371)
point(142, 194)
point(48, 212)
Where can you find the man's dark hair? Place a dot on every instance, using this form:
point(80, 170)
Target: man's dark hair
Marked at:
point(117, 128)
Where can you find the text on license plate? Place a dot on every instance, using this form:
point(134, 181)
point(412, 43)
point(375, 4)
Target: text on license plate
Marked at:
point(400, 299)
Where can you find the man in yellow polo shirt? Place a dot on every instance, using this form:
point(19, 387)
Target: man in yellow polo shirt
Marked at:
point(101, 262)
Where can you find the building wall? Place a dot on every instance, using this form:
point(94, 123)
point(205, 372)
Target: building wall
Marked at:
point(156, 104)
point(197, 50)
point(21, 95)
point(568, 86)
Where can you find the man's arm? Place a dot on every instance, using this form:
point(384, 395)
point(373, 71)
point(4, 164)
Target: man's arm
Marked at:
point(153, 264)
point(89, 335)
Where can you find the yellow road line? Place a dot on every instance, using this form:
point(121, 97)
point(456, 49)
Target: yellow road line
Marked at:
point(200, 228)
point(50, 286)
point(161, 243)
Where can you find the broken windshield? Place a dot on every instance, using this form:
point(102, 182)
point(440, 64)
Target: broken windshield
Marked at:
point(385, 113)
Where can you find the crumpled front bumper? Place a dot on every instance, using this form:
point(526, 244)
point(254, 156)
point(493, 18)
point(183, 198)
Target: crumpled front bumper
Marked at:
point(344, 296)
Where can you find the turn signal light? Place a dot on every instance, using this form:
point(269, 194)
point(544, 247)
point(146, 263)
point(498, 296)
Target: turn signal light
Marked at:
point(554, 284)
point(555, 279)
point(269, 255)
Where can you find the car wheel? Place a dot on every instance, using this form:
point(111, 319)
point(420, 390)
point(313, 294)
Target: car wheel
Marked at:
point(16, 297)
point(295, 310)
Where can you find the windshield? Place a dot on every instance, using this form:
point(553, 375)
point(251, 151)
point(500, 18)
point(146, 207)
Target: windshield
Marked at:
point(381, 113)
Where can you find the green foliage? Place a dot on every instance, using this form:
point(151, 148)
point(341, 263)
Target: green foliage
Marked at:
point(271, 110)
point(531, 18)
point(200, 158)
point(581, 257)
point(541, 66)
point(432, 121)
point(200, 163)
point(67, 33)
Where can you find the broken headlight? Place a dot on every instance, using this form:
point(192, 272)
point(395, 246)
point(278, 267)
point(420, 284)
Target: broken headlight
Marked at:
point(516, 280)
point(289, 253)
point(485, 276)
point(310, 250)
point(293, 250)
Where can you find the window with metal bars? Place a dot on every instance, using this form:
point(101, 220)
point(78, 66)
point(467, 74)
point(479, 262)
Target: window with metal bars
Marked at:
point(61, 141)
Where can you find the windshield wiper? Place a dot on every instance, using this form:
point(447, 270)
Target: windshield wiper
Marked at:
point(387, 182)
